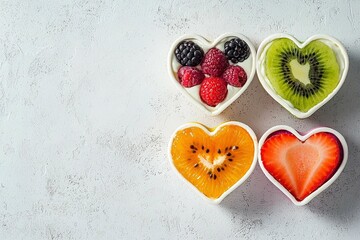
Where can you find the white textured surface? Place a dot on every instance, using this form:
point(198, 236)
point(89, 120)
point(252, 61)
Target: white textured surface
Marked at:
point(87, 109)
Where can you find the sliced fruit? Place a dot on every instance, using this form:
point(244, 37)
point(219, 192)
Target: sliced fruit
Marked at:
point(213, 164)
point(302, 76)
point(301, 167)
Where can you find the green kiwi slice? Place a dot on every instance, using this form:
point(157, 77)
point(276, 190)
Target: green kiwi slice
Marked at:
point(302, 76)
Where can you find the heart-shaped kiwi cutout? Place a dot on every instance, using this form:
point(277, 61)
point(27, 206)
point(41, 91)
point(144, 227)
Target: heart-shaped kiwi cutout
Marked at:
point(192, 93)
point(302, 76)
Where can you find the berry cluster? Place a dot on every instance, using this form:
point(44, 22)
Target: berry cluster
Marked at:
point(213, 69)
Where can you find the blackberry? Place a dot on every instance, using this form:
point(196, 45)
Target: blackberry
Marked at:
point(236, 50)
point(189, 53)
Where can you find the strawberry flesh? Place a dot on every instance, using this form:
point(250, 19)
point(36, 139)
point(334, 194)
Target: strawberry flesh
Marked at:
point(301, 167)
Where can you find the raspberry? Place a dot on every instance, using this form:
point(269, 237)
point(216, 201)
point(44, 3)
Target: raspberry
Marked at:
point(190, 76)
point(213, 91)
point(235, 76)
point(214, 63)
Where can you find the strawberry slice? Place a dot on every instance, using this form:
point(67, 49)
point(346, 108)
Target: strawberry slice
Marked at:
point(301, 167)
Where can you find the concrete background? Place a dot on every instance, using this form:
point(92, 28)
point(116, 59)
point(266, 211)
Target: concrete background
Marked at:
point(87, 109)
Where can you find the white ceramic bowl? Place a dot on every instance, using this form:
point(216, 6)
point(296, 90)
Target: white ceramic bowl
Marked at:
point(341, 56)
point(193, 93)
point(211, 133)
point(303, 138)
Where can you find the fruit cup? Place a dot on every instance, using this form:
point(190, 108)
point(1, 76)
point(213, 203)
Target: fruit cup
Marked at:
point(302, 76)
point(213, 161)
point(302, 166)
point(212, 74)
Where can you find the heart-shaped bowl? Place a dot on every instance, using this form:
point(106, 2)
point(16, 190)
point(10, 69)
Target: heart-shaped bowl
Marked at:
point(285, 171)
point(213, 161)
point(341, 58)
point(193, 93)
